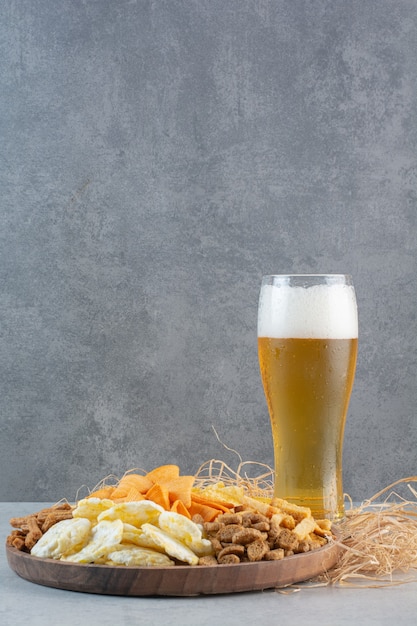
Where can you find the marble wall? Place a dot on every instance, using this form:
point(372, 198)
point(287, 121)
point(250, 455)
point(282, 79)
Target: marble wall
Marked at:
point(157, 157)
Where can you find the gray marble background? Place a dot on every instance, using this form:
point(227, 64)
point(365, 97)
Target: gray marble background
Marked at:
point(158, 157)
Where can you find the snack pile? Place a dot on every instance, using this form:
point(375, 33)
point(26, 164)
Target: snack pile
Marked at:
point(161, 519)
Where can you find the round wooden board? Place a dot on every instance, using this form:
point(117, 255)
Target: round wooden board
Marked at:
point(178, 580)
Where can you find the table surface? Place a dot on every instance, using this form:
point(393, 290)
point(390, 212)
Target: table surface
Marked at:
point(25, 603)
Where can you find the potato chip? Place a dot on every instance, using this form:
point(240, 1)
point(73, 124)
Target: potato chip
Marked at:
point(214, 504)
point(102, 493)
point(91, 508)
point(163, 473)
point(133, 495)
point(119, 495)
point(139, 482)
point(136, 536)
point(207, 513)
point(63, 538)
point(159, 494)
point(170, 545)
point(179, 507)
point(225, 494)
point(135, 513)
point(138, 557)
point(186, 531)
point(105, 536)
point(180, 489)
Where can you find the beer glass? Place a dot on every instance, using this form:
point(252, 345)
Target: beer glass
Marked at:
point(307, 348)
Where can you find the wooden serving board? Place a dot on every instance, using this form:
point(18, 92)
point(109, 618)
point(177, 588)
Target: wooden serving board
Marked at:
point(178, 580)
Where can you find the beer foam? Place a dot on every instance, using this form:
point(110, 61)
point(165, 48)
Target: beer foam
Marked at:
point(318, 312)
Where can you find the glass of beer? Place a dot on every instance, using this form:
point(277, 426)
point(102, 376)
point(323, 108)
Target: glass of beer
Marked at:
point(307, 346)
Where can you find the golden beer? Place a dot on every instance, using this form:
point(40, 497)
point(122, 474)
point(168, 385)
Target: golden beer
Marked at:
point(308, 379)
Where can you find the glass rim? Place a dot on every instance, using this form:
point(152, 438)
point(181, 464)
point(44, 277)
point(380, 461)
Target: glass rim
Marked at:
point(307, 280)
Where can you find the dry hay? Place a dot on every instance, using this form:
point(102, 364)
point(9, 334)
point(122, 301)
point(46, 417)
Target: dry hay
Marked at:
point(378, 538)
point(260, 485)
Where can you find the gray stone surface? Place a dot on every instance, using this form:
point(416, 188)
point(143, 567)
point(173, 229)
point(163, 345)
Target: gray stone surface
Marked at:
point(158, 157)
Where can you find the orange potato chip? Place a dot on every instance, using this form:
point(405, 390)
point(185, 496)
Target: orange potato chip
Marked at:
point(104, 493)
point(133, 495)
point(119, 492)
point(207, 512)
point(214, 504)
point(160, 495)
point(140, 483)
point(164, 486)
point(163, 474)
point(179, 507)
point(180, 489)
